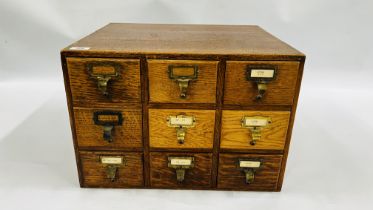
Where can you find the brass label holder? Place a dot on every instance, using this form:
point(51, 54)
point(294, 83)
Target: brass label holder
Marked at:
point(180, 164)
point(183, 75)
point(112, 164)
point(108, 119)
point(261, 75)
point(109, 71)
point(181, 123)
point(249, 167)
point(255, 124)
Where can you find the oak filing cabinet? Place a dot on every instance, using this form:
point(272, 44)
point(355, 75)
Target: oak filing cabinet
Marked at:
point(182, 106)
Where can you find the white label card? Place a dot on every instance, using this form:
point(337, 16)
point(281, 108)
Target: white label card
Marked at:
point(181, 120)
point(255, 121)
point(112, 160)
point(79, 48)
point(181, 162)
point(249, 164)
point(266, 73)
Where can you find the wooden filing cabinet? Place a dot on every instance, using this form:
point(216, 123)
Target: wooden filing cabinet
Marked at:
point(182, 106)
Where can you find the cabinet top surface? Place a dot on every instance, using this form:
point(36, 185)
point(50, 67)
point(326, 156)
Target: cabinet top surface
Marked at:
point(184, 39)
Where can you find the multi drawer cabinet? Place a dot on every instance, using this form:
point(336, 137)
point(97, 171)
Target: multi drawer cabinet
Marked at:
point(182, 106)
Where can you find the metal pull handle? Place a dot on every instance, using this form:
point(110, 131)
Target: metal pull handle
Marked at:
point(261, 75)
point(183, 75)
point(112, 164)
point(183, 85)
point(108, 129)
point(255, 124)
point(262, 88)
point(103, 72)
point(249, 167)
point(108, 119)
point(249, 176)
point(180, 164)
point(180, 174)
point(181, 123)
point(111, 171)
point(180, 134)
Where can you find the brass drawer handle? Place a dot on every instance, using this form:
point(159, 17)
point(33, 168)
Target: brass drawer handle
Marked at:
point(255, 124)
point(180, 164)
point(103, 72)
point(249, 167)
point(181, 123)
point(183, 75)
point(112, 165)
point(108, 119)
point(261, 75)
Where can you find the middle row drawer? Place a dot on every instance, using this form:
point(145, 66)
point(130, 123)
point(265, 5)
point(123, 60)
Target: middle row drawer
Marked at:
point(181, 128)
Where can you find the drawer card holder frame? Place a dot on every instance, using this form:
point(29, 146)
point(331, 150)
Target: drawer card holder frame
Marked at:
point(255, 124)
point(103, 78)
point(183, 78)
point(108, 126)
point(112, 164)
point(249, 167)
point(180, 164)
point(181, 122)
point(261, 75)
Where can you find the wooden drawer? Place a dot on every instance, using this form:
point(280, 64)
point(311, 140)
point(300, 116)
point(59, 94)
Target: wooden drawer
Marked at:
point(235, 135)
point(90, 125)
point(112, 169)
point(164, 175)
point(164, 128)
point(280, 91)
point(264, 168)
point(124, 88)
point(164, 86)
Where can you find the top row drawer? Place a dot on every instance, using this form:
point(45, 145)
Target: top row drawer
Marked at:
point(106, 80)
point(102, 81)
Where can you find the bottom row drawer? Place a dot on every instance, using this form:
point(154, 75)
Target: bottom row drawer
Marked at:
point(112, 169)
point(181, 170)
point(249, 172)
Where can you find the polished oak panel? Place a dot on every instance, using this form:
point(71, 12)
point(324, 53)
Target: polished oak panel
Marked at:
point(234, 136)
point(127, 135)
point(130, 174)
point(231, 176)
point(280, 91)
point(199, 136)
point(164, 90)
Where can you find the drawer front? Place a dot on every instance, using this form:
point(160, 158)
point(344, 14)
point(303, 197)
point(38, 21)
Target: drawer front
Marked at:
point(244, 79)
point(101, 80)
point(108, 128)
point(181, 128)
point(249, 172)
point(107, 169)
point(167, 77)
point(165, 167)
point(262, 129)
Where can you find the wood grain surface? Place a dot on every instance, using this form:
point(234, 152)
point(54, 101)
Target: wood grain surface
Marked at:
point(230, 175)
point(234, 136)
point(171, 39)
point(164, 90)
point(91, 135)
point(199, 136)
point(161, 176)
point(242, 92)
point(128, 175)
point(124, 89)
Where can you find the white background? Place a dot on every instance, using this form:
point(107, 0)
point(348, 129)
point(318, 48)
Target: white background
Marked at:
point(330, 162)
